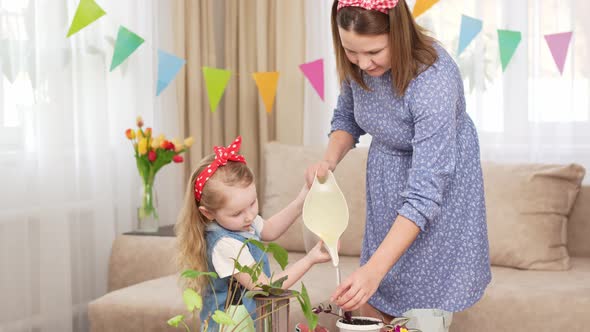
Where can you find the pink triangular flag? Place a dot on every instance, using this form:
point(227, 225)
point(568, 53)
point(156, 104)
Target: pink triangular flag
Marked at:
point(559, 45)
point(314, 71)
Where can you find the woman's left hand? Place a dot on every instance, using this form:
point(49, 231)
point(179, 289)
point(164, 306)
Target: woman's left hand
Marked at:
point(356, 289)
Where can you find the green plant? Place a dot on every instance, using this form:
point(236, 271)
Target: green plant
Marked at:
point(194, 301)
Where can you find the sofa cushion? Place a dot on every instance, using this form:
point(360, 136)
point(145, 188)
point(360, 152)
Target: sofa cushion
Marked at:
point(527, 211)
point(279, 190)
point(133, 258)
point(146, 306)
point(519, 300)
point(578, 233)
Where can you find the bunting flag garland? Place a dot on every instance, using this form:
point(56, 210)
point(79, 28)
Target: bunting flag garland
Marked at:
point(422, 6)
point(168, 66)
point(127, 42)
point(86, 13)
point(314, 72)
point(215, 81)
point(509, 41)
point(559, 45)
point(267, 87)
point(470, 28)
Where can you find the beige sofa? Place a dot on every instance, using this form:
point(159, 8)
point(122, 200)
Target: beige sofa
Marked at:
point(144, 292)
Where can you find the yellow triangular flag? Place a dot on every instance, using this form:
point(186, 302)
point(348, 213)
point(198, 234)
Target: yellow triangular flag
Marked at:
point(422, 6)
point(87, 12)
point(215, 81)
point(267, 86)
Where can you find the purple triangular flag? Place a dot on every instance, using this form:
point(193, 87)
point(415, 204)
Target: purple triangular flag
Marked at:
point(314, 71)
point(559, 45)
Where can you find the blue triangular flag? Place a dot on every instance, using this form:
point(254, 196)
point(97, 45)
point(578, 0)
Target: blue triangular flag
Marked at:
point(470, 27)
point(168, 66)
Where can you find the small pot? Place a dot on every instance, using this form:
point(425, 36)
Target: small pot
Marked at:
point(351, 328)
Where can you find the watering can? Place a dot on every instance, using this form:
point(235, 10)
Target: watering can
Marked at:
point(325, 213)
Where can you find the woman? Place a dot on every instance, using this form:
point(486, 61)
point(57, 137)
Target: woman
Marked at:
point(425, 250)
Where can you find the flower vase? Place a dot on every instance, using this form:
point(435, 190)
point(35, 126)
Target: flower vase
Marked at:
point(147, 214)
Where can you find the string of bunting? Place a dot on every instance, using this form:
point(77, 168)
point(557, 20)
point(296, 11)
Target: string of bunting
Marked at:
point(216, 80)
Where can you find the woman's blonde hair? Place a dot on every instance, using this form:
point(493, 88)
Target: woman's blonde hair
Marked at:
point(411, 50)
point(191, 224)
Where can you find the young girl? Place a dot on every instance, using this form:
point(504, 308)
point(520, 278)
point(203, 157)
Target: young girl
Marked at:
point(220, 212)
point(425, 249)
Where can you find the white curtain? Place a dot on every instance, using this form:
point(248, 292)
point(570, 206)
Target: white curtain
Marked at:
point(68, 182)
point(530, 113)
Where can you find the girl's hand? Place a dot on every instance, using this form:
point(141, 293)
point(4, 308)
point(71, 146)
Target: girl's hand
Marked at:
point(318, 255)
point(321, 168)
point(302, 193)
point(356, 289)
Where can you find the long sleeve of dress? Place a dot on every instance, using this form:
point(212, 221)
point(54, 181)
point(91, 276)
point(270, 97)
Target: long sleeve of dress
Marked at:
point(343, 118)
point(433, 104)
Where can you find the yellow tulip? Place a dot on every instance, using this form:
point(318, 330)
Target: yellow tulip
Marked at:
point(176, 142)
point(178, 147)
point(403, 329)
point(155, 143)
point(142, 146)
point(139, 134)
point(161, 138)
point(189, 141)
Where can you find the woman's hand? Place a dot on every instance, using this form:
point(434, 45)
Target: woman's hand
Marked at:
point(356, 289)
point(318, 255)
point(321, 168)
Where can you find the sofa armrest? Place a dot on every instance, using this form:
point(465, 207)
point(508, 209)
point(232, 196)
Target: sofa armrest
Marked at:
point(138, 258)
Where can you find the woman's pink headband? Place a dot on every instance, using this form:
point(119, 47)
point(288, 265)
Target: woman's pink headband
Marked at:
point(379, 5)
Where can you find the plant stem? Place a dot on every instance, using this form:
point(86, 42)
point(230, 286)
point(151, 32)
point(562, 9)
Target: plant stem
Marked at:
point(186, 326)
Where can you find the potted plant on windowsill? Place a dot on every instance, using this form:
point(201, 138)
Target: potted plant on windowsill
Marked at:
point(272, 301)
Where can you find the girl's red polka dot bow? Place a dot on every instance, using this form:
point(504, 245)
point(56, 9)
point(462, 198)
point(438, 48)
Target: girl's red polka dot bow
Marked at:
point(222, 156)
point(379, 5)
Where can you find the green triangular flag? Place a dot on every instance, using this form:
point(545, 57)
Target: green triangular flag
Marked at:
point(215, 82)
point(88, 11)
point(127, 42)
point(509, 41)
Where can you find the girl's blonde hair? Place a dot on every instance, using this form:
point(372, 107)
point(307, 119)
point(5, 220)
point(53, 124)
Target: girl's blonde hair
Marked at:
point(191, 224)
point(411, 50)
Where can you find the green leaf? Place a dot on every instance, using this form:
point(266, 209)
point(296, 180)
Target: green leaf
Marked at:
point(192, 300)
point(174, 321)
point(257, 243)
point(279, 253)
point(276, 291)
point(193, 274)
point(251, 294)
point(222, 318)
point(305, 303)
point(279, 282)
point(401, 321)
point(242, 268)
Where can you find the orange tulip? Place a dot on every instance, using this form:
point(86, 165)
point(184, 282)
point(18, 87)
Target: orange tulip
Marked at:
point(148, 132)
point(130, 134)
